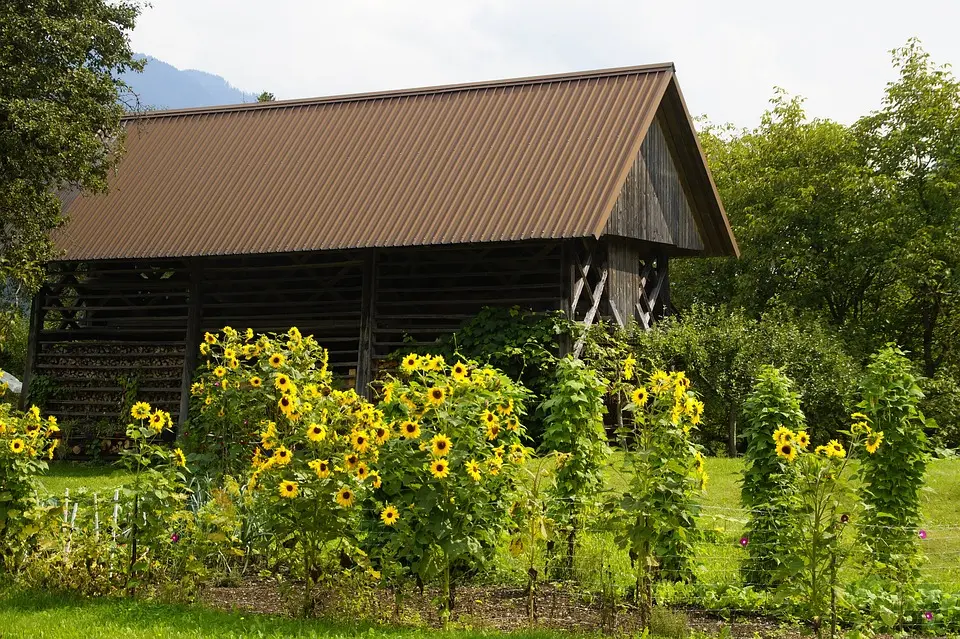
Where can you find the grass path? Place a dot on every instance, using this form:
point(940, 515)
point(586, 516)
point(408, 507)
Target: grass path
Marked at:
point(28, 614)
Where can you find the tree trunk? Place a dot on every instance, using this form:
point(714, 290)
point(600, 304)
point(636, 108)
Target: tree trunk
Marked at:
point(732, 432)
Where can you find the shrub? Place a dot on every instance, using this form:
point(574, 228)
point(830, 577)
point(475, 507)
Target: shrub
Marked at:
point(723, 352)
point(773, 404)
point(448, 468)
point(893, 478)
point(574, 428)
point(26, 442)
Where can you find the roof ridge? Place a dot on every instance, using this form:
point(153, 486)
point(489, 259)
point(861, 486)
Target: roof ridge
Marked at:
point(398, 93)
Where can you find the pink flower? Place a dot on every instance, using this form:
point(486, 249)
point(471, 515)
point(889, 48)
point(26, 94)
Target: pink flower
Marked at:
point(928, 616)
point(922, 533)
point(174, 537)
point(744, 541)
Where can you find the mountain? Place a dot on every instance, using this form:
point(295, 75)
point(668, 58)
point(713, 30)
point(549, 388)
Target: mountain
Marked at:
point(163, 86)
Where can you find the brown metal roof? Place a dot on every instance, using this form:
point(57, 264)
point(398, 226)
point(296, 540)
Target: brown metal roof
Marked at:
point(508, 160)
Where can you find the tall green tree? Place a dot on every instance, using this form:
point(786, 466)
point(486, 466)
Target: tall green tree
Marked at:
point(913, 142)
point(60, 109)
point(810, 216)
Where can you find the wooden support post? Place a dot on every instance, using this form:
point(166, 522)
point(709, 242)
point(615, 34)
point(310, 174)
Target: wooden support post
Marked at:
point(191, 340)
point(567, 252)
point(367, 310)
point(663, 274)
point(33, 342)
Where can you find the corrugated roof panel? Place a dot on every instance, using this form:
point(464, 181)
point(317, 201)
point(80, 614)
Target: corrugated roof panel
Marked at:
point(499, 161)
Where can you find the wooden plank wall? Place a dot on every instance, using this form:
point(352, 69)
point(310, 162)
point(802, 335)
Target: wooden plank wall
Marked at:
point(623, 282)
point(423, 293)
point(318, 292)
point(97, 324)
point(106, 320)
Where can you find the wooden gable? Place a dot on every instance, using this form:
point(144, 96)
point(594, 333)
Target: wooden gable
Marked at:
point(653, 205)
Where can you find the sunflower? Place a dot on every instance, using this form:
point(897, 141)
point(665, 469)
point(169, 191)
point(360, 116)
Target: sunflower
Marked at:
point(783, 434)
point(196, 388)
point(410, 430)
point(381, 434)
point(208, 400)
point(639, 396)
point(316, 432)
point(345, 497)
point(494, 464)
point(628, 366)
point(360, 441)
point(362, 471)
point(32, 429)
point(256, 382)
point(17, 445)
point(513, 424)
point(488, 417)
point(283, 456)
point(410, 363)
point(277, 360)
point(518, 453)
point(310, 391)
point(289, 489)
point(441, 445)
point(229, 353)
point(375, 476)
point(249, 350)
point(321, 467)
point(140, 410)
point(204, 349)
point(350, 461)
point(288, 405)
point(440, 468)
point(835, 449)
point(436, 395)
point(210, 338)
point(220, 371)
point(493, 430)
point(787, 450)
point(473, 469)
point(505, 408)
point(699, 462)
point(873, 440)
point(659, 382)
point(282, 383)
point(858, 417)
point(803, 440)
point(389, 515)
point(179, 456)
point(159, 419)
point(459, 371)
point(233, 363)
point(696, 412)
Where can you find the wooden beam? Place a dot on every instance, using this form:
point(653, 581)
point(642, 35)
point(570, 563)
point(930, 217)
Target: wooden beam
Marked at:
point(367, 310)
point(592, 313)
point(191, 339)
point(36, 324)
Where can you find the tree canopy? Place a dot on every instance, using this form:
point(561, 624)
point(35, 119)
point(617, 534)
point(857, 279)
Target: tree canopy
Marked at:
point(60, 109)
point(857, 224)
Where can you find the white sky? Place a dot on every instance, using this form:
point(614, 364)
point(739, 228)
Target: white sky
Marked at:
point(729, 53)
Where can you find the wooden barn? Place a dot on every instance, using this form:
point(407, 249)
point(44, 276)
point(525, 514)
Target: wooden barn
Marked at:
point(368, 220)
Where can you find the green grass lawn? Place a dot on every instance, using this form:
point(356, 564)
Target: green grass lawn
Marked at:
point(720, 512)
point(77, 475)
point(61, 616)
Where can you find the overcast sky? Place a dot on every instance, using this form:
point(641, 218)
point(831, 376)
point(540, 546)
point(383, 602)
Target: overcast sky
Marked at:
point(729, 53)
